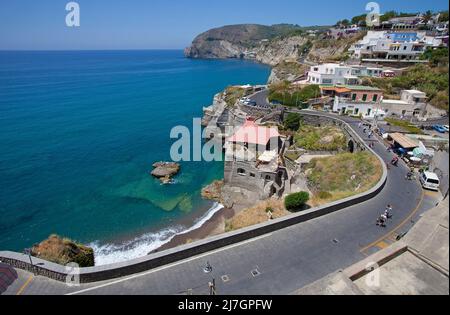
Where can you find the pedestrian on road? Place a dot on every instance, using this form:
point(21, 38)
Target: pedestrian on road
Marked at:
point(360, 125)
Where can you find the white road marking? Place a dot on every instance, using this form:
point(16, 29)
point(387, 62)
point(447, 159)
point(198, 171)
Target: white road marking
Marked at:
point(170, 265)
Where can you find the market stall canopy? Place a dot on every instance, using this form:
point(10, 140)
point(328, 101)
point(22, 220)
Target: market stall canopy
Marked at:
point(404, 141)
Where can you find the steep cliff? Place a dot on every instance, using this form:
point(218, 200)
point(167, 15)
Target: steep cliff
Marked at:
point(267, 44)
point(277, 46)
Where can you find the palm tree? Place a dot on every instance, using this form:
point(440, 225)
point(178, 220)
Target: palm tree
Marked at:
point(427, 17)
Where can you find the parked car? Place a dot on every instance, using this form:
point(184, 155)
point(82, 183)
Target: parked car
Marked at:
point(430, 181)
point(439, 128)
point(445, 128)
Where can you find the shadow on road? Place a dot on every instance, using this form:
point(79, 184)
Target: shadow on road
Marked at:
point(7, 277)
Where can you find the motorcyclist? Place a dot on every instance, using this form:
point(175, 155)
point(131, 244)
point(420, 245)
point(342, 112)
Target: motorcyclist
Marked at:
point(388, 212)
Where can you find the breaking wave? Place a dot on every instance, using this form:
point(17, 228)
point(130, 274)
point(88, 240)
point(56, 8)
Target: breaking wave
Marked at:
point(106, 254)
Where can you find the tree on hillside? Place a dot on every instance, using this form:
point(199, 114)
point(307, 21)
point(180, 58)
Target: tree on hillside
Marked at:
point(360, 19)
point(437, 57)
point(443, 17)
point(427, 16)
point(293, 121)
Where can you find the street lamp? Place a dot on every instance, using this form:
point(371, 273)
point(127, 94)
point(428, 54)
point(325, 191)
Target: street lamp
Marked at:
point(27, 251)
point(212, 285)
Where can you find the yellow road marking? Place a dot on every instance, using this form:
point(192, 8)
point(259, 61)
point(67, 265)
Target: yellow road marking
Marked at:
point(411, 215)
point(431, 193)
point(23, 287)
point(382, 245)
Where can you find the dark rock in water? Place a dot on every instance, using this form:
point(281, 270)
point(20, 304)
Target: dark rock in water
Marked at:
point(165, 171)
point(64, 251)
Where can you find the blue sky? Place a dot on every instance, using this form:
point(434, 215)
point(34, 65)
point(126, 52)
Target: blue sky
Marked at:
point(161, 24)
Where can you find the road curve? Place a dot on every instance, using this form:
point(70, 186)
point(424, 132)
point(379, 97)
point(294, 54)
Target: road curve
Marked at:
point(282, 261)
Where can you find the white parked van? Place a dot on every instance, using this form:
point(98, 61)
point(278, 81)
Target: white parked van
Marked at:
point(430, 181)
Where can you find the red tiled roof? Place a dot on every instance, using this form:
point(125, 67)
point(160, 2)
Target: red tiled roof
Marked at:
point(251, 133)
point(337, 89)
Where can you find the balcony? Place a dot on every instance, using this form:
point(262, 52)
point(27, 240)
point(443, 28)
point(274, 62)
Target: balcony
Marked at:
point(348, 100)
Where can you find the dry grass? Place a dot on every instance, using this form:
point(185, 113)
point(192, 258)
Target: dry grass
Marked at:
point(257, 214)
point(342, 176)
point(325, 138)
point(233, 94)
point(63, 251)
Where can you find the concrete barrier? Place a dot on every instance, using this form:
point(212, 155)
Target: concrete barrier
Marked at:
point(101, 273)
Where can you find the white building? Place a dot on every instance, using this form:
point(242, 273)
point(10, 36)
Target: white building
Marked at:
point(332, 73)
point(413, 103)
point(393, 46)
point(363, 71)
point(357, 101)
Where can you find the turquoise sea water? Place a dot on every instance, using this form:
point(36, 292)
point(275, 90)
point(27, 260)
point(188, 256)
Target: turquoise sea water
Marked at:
point(79, 132)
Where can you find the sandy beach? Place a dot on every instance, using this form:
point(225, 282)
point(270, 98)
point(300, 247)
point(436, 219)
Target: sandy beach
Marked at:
point(212, 227)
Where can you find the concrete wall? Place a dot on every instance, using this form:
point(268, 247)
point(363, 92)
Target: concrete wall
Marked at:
point(440, 166)
point(101, 273)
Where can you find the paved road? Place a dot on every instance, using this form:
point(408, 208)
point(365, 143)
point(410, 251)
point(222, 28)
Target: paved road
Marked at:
point(261, 98)
point(286, 260)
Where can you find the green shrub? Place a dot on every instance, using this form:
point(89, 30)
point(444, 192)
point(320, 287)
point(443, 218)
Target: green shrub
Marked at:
point(288, 95)
point(293, 121)
point(296, 201)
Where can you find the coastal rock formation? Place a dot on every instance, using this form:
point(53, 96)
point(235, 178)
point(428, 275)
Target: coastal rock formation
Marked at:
point(64, 251)
point(287, 71)
point(267, 44)
point(213, 191)
point(165, 171)
point(270, 45)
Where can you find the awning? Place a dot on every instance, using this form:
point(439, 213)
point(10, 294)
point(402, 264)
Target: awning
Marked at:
point(404, 141)
point(268, 156)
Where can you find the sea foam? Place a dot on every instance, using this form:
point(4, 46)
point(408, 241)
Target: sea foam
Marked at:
point(106, 254)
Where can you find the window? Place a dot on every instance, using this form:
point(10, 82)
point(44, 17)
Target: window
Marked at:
point(354, 97)
point(364, 98)
point(375, 98)
point(356, 111)
point(327, 81)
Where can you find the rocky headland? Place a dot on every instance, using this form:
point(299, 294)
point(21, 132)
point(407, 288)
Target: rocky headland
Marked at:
point(64, 251)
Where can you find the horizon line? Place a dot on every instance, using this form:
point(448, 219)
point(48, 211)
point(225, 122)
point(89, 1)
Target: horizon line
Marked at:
point(100, 49)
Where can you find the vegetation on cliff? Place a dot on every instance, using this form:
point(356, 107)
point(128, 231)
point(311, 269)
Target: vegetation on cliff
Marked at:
point(343, 175)
point(431, 79)
point(325, 138)
point(288, 94)
point(287, 71)
point(232, 94)
point(64, 251)
point(260, 213)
